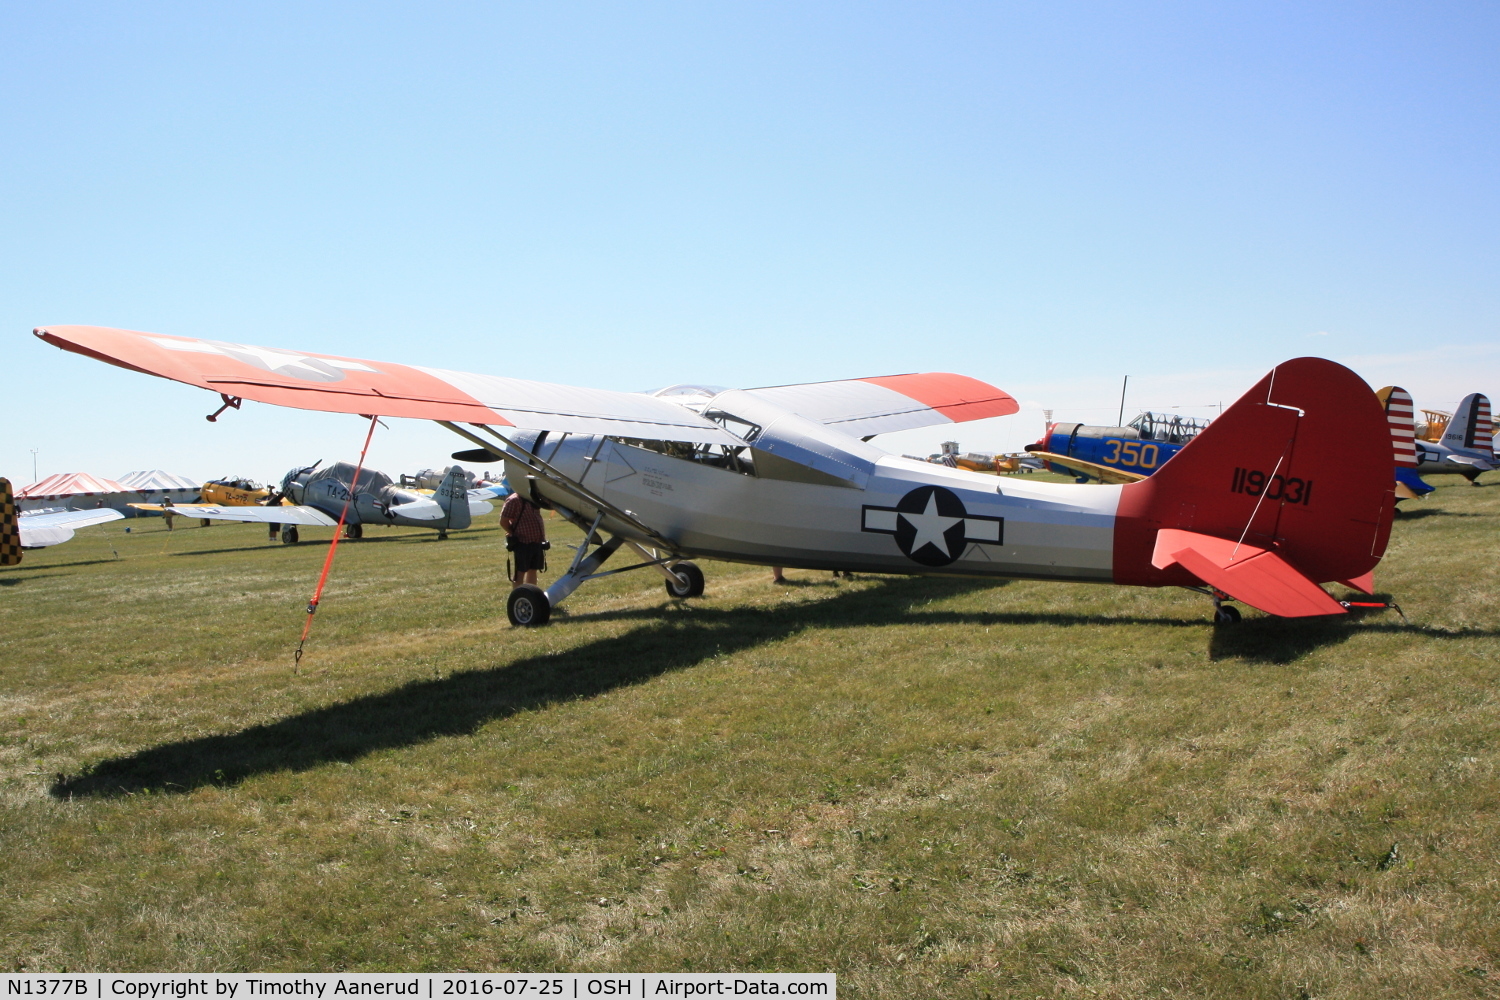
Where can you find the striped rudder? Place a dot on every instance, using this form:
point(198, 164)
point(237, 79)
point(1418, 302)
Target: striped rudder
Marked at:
point(1399, 411)
point(1471, 428)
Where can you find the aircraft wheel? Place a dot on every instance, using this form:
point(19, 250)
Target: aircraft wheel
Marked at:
point(528, 607)
point(689, 582)
point(354, 531)
point(289, 535)
point(1226, 615)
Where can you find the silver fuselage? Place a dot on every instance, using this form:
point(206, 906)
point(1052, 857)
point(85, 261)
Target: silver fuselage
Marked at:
point(1005, 527)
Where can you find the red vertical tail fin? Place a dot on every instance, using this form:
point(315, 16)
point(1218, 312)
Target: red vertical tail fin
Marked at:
point(1299, 467)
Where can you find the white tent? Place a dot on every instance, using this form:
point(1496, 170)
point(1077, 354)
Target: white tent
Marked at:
point(74, 491)
point(150, 486)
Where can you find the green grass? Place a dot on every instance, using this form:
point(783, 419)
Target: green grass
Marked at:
point(932, 787)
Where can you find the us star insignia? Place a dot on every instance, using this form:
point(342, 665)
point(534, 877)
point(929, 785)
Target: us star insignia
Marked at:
point(931, 525)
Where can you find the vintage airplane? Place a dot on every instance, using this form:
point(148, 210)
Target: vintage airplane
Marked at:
point(1467, 445)
point(1129, 454)
point(1399, 412)
point(319, 496)
point(1116, 455)
point(41, 528)
point(234, 491)
point(785, 476)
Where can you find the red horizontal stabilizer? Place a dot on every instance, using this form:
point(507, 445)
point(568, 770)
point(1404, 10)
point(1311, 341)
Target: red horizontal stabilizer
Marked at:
point(1364, 584)
point(1256, 576)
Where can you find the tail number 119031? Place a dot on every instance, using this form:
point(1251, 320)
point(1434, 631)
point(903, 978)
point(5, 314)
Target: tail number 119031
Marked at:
point(1253, 482)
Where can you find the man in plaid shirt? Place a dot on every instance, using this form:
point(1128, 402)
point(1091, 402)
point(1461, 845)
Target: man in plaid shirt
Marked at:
point(521, 520)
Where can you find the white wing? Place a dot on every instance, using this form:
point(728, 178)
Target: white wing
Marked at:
point(348, 385)
point(41, 530)
point(866, 406)
point(259, 515)
point(70, 518)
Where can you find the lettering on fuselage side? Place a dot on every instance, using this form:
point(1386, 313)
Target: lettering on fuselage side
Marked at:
point(1133, 454)
point(1253, 482)
point(931, 525)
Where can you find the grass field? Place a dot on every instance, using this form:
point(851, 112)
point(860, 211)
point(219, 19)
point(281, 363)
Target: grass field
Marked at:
point(932, 787)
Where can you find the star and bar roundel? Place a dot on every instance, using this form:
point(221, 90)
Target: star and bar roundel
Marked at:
point(931, 526)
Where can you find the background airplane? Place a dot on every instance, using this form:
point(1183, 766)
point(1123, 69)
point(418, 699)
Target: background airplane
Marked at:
point(784, 475)
point(1399, 417)
point(1466, 447)
point(234, 491)
point(1115, 454)
point(39, 529)
point(319, 496)
point(1130, 454)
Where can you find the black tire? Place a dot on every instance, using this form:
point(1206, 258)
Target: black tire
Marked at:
point(289, 534)
point(1226, 615)
point(354, 531)
point(689, 582)
point(528, 607)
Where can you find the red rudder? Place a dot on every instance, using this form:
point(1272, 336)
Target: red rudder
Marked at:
point(1300, 466)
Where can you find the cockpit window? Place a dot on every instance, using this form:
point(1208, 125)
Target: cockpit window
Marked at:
point(733, 458)
point(694, 397)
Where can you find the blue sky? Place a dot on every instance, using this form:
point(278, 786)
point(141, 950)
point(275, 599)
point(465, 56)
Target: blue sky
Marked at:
point(1046, 196)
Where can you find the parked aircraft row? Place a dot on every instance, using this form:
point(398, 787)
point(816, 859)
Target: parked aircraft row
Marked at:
point(1289, 489)
point(1461, 445)
point(318, 497)
point(323, 496)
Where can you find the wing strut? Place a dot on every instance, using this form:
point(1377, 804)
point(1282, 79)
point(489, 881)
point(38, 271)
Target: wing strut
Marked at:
point(539, 467)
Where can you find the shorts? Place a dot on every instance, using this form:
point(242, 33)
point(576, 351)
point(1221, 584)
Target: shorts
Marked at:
point(529, 556)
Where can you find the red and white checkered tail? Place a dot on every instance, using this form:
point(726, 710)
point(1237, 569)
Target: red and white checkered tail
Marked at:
point(1471, 428)
point(1399, 411)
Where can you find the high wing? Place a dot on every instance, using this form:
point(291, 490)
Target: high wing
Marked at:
point(259, 515)
point(378, 388)
point(40, 530)
point(867, 406)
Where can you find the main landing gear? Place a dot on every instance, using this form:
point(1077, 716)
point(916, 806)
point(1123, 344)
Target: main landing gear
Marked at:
point(686, 580)
point(528, 606)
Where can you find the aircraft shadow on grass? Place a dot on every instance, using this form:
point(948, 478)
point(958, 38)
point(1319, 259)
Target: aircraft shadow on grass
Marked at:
point(1421, 512)
point(413, 538)
point(461, 703)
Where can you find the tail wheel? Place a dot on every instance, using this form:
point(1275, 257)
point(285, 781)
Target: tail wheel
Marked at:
point(289, 535)
point(528, 607)
point(688, 580)
point(1226, 615)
